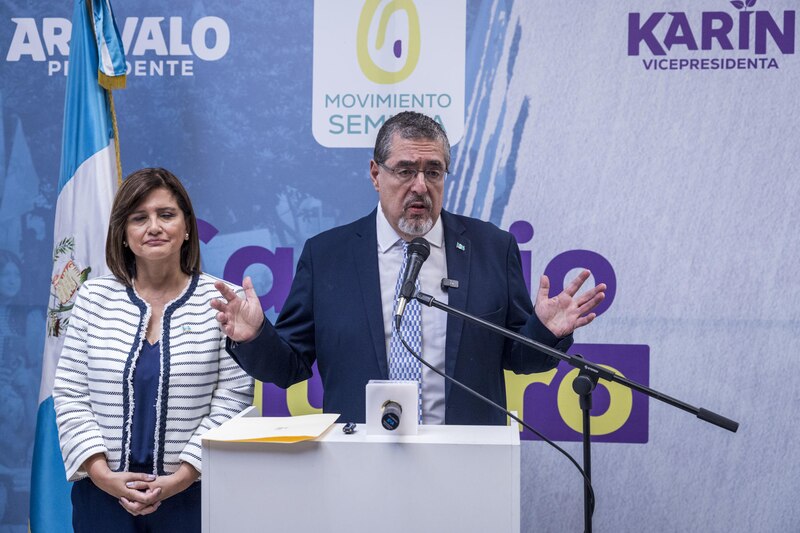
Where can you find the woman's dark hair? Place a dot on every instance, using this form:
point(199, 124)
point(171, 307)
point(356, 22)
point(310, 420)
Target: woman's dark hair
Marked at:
point(131, 193)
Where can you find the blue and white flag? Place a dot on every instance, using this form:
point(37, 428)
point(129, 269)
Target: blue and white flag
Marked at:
point(88, 180)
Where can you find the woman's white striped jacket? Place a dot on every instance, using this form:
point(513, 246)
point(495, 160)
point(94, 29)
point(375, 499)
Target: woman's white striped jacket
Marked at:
point(200, 386)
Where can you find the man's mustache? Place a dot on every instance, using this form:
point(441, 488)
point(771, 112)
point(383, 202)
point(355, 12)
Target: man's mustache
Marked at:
point(418, 198)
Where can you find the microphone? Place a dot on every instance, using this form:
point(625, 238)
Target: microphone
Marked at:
point(418, 252)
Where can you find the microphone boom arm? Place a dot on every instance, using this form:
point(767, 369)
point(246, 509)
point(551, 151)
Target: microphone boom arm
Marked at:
point(582, 364)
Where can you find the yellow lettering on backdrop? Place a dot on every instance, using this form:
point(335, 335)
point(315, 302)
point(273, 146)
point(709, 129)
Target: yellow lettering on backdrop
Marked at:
point(516, 385)
point(258, 397)
point(297, 400)
point(619, 408)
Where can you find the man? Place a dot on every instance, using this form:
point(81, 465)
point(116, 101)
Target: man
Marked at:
point(340, 307)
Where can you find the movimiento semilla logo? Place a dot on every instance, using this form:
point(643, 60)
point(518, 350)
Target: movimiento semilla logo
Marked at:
point(376, 58)
point(407, 56)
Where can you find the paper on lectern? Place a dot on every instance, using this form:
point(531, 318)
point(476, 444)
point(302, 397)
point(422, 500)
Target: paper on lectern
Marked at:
point(272, 429)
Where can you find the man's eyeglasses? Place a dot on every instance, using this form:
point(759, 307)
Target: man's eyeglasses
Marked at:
point(406, 174)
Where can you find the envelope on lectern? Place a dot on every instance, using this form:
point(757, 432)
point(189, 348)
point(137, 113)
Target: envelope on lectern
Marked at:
point(272, 429)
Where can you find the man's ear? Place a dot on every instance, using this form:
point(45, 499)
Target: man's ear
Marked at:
point(373, 174)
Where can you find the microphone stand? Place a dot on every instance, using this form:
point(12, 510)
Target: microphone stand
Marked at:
point(583, 385)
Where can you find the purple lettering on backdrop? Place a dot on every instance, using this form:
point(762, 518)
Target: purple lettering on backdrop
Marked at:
point(280, 263)
point(601, 270)
point(205, 231)
point(644, 33)
point(783, 40)
point(630, 360)
point(744, 29)
point(523, 232)
point(720, 33)
point(680, 24)
point(273, 398)
point(715, 26)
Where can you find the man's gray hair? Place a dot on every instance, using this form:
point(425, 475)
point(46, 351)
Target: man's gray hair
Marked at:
point(409, 125)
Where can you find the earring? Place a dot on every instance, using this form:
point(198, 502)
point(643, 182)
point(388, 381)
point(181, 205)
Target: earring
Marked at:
point(125, 244)
point(187, 236)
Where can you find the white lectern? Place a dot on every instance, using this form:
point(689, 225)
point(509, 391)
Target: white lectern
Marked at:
point(446, 478)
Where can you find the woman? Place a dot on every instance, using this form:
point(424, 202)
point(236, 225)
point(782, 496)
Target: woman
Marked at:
point(144, 372)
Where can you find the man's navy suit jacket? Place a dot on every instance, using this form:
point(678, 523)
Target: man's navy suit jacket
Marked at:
point(334, 316)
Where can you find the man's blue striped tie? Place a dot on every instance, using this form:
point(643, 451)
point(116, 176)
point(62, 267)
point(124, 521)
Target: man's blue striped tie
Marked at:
point(402, 365)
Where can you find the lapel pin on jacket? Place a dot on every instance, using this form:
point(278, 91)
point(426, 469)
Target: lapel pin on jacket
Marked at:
point(460, 246)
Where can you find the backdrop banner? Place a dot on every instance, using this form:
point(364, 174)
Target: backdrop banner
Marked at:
point(654, 143)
